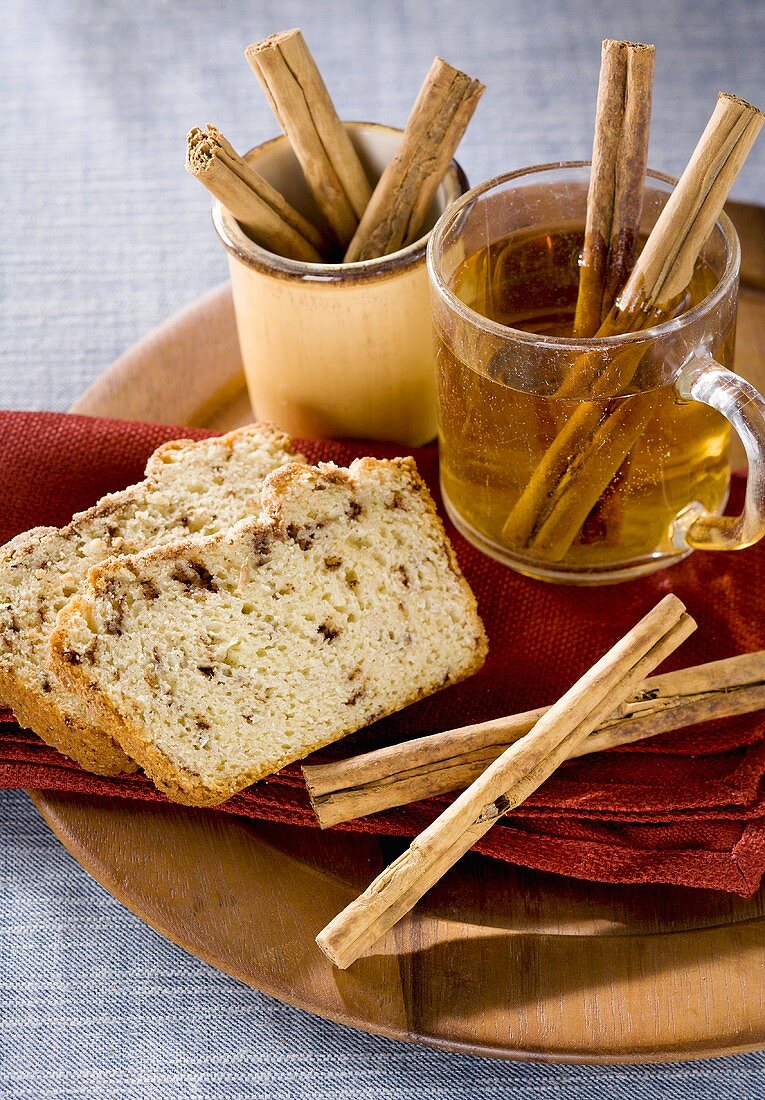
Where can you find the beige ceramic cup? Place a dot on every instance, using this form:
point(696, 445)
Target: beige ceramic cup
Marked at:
point(336, 350)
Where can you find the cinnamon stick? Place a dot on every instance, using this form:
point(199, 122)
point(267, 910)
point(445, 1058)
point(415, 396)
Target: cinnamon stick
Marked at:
point(263, 213)
point(406, 189)
point(665, 266)
point(506, 783)
point(550, 512)
point(226, 153)
point(449, 761)
point(299, 98)
point(617, 179)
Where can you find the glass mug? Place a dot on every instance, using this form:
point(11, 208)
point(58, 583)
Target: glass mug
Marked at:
point(583, 461)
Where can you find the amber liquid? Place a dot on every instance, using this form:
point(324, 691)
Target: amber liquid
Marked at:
point(495, 431)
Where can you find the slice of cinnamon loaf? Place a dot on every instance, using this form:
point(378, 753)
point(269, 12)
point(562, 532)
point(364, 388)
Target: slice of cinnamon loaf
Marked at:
point(190, 487)
point(219, 660)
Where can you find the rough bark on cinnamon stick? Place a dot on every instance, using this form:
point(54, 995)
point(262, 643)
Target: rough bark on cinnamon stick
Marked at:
point(588, 452)
point(264, 214)
point(617, 179)
point(449, 761)
point(507, 782)
point(299, 98)
point(407, 187)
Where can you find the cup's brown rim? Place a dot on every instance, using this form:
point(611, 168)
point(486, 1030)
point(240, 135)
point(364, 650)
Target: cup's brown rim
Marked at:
point(238, 244)
point(571, 343)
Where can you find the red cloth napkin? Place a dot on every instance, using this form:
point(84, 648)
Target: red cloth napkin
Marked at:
point(686, 808)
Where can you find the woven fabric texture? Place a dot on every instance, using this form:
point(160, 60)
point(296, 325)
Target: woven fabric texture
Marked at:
point(687, 808)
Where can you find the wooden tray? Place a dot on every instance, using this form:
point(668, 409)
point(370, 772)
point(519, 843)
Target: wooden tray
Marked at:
point(496, 960)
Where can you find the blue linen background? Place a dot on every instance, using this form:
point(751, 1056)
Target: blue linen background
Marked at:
point(102, 236)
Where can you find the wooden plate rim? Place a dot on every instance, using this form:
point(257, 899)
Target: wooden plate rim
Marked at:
point(706, 1048)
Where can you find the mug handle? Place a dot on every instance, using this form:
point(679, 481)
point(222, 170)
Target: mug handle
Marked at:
point(701, 378)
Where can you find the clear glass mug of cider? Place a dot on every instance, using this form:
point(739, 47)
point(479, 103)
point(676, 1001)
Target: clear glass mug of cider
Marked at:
point(584, 461)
